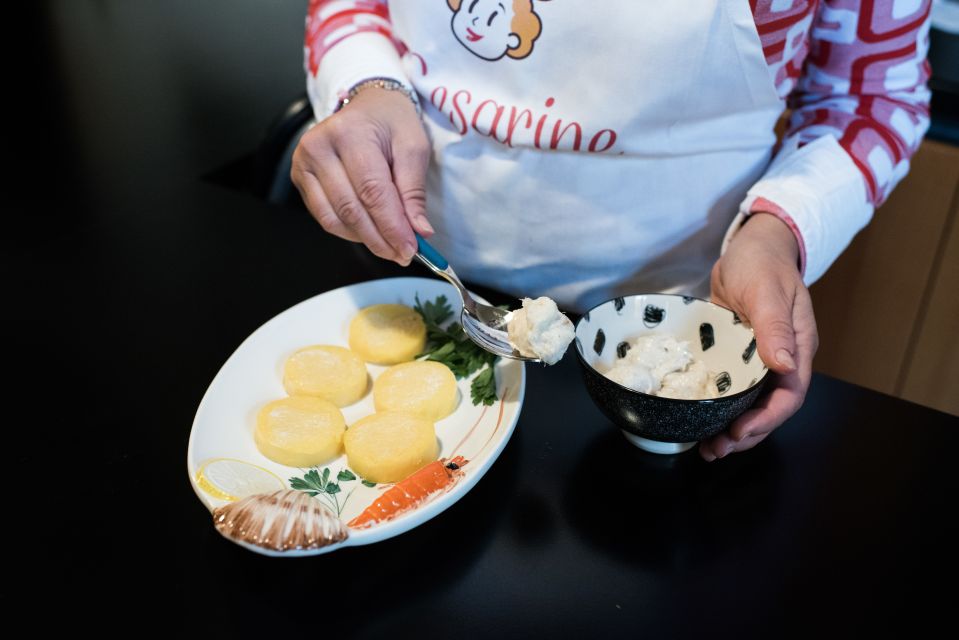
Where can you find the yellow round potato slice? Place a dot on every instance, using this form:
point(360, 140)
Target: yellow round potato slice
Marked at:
point(326, 371)
point(422, 388)
point(387, 334)
point(388, 446)
point(300, 431)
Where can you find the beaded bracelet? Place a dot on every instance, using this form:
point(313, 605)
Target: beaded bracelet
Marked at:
point(381, 83)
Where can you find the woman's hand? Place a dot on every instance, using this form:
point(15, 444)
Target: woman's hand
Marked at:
point(757, 277)
point(362, 173)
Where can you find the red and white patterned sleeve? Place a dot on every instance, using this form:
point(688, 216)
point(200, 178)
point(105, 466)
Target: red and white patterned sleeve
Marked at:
point(860, 108)
point(346, 42)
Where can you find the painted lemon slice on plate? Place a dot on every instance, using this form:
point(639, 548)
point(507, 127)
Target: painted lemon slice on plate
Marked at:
point(229, 479)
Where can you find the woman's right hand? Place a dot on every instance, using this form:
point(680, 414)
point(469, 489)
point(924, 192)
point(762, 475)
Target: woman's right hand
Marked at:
point(362, 173)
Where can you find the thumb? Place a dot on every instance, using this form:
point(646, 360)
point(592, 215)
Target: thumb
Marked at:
point(411, 157)
point(771, 317)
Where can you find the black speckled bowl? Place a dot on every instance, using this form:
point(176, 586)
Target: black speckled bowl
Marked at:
point(715, 335)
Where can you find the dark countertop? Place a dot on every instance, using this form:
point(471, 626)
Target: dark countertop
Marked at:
point(133, 279)
point(841, 519)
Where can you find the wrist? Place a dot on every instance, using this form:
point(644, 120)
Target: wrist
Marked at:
point(772, 233)
point(384, 84)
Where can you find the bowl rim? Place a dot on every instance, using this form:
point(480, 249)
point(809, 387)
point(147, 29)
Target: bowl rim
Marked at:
point(759, 381)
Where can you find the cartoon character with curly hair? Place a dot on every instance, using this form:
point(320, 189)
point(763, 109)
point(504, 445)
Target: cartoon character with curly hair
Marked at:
point(491, 29)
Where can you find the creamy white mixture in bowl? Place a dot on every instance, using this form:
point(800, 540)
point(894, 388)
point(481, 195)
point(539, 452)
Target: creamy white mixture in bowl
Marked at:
point(668, 370)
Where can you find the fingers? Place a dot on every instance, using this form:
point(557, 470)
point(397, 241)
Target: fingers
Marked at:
point(785, 398)
point(369, 203)
point(318, 205)
point(716, 293)
point(721, 445)
point(756, 423)
point(772, 409)
point(807, 334)
point(771, 316)
point(411, 156)
point(342, 168)
point(357, 187)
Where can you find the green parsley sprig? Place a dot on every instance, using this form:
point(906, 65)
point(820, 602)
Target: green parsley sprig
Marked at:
point(452, 347)
point(320, 484)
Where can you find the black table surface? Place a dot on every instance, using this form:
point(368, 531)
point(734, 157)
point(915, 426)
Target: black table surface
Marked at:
point(842, 517)
point(132, 279)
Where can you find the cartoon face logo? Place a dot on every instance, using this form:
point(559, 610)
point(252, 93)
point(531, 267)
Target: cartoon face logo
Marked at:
point(491, 29)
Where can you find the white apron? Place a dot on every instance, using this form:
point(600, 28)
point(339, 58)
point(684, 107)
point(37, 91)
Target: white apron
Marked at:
point(609, 159)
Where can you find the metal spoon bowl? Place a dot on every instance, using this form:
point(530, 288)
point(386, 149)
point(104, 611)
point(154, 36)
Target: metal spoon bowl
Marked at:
point(484, 324)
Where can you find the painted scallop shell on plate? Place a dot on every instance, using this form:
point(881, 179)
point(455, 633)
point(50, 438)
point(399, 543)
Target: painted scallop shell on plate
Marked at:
point(280, 521)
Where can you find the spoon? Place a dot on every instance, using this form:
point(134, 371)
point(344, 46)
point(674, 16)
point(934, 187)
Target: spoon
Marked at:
point(485, 325)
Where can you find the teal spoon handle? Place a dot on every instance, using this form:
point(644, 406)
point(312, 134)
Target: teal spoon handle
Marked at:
point(431, 254)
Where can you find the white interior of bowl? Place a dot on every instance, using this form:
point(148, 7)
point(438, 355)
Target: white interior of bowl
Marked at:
point(731, 352)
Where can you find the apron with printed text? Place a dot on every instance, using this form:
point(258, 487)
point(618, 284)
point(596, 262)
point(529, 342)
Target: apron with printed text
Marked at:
point(586, 150)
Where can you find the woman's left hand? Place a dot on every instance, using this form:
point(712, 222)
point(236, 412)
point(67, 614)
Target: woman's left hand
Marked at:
point(757, 277)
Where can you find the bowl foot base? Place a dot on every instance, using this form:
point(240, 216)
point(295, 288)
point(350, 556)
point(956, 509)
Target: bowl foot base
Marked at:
point(655, 446)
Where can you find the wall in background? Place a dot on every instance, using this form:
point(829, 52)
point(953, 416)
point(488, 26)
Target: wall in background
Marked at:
point(179, 85)
point(888, 309)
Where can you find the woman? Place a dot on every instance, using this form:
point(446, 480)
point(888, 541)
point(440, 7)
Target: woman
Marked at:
point(583, 151)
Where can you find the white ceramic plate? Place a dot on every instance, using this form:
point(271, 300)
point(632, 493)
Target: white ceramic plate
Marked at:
point(223, 461)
